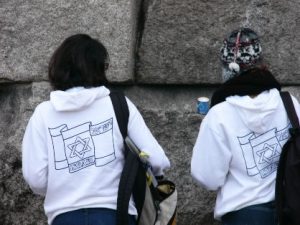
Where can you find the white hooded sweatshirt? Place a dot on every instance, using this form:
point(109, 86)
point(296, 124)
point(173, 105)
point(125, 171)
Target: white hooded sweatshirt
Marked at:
point(73, 150)
point(238, 148)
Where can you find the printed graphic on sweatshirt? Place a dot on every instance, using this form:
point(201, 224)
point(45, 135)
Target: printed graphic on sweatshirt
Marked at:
point(261, 152)
point(85, 145)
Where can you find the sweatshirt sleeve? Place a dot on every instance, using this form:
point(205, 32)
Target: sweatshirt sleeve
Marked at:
point(143, 138)
point(35, 157)
point(211, 157)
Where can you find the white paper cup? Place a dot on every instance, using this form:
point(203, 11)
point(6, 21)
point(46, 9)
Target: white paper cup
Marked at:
point(203, 105)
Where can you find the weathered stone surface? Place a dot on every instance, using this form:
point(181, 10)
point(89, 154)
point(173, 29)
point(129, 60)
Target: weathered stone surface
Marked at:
point(181, 39)
point(179, 44)
point(170, 112)
point(17, 205)
point(32, 30)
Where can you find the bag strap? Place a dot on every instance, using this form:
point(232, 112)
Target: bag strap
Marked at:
point(290, 109)
point(131, 164)
point(121, 110)
point(280, 179)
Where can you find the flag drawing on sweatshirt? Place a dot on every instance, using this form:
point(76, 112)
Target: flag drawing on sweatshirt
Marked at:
point(84, 145)
point(261, 152)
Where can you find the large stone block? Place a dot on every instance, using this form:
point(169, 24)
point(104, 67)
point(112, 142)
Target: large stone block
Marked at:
point(17, 205)
point(181, 39)
point(31, 30)
point(171, 115)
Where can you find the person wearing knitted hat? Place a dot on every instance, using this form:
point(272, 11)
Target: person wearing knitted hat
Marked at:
point(240, 139)
point(241, 50)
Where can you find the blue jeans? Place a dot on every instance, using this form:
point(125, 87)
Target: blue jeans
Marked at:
point(262, 214)
point(89, 216)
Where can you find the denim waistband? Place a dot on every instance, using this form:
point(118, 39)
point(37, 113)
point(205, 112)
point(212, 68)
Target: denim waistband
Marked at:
point(262, 214)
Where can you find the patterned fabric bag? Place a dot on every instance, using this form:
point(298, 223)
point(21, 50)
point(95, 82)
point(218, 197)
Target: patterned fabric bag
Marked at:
point(155, 198)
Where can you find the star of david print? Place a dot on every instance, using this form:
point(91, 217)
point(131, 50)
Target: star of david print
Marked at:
point(268, 153)
point(261, 152)
point(79, 147)
point(83, 146)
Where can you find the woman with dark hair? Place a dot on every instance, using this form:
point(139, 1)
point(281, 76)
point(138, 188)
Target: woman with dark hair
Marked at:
point(80, 61)
point(73, 148)
point(240, 139)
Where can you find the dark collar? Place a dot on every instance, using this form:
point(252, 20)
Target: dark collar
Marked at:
point(250, 82)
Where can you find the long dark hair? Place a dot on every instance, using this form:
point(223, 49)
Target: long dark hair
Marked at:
point(79, 61)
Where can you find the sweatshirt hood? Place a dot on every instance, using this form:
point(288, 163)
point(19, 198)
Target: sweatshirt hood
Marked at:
point(257, 113)
point(76, 98)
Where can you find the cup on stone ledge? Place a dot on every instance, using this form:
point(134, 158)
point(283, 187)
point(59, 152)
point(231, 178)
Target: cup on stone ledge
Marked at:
point(202, 105)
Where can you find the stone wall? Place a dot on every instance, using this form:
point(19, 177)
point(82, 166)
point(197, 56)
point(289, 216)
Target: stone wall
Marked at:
point(164, 54)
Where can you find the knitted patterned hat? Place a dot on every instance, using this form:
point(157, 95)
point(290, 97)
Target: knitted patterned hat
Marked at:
point(241, 50)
